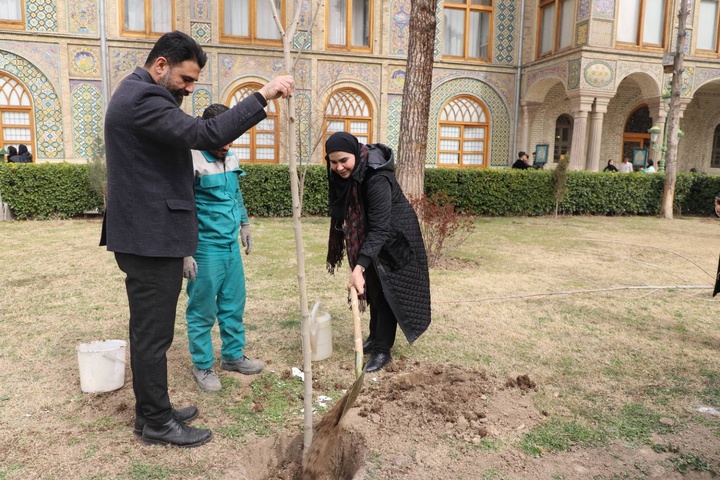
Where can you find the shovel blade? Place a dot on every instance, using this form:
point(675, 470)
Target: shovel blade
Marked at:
point(352, 395)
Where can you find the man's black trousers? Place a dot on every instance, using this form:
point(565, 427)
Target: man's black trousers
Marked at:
point(153, 287)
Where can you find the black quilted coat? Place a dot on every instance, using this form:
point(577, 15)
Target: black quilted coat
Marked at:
point(394, 244)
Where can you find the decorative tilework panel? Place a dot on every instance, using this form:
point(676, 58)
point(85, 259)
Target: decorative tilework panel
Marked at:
point(601, 34)
point(397, 80)
point(366, 74)
point(438, 30)
point(604, 9)
point(82, 16)
point(302, 41)
point(501, 124)
point(559, 71)
point(201, 99)
point(305, 14)
point(87, 116)
point(41, 16)
point(583, 9)
point(599, 74)
point(394, 113)
point(201, 10)
point(400, 27)
point(44, 56)
point(303, 117)
point(503, 84)
point(573, 74)
point(122, 63)
point(705, 75)
point(84, 61)
point(231, 67)
point(688, 38)
point(581, 34)
point(686, 82)
point(201, 32)
point(652, 85)
point(504, 22)
point(48, 109)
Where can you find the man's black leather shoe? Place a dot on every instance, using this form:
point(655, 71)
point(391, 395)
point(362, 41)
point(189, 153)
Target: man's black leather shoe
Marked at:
point(377, 361)
point(184, 415)
point(367, 346)
point(175, 433)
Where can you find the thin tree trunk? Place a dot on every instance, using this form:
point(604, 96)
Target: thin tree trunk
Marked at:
point(412, 147)
point(295, 189)
point(668, 198)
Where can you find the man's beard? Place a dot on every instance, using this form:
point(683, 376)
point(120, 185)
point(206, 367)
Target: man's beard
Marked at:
point(178, 93)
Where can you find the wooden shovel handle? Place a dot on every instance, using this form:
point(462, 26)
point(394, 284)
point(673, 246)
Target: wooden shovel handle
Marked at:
point(357, 332)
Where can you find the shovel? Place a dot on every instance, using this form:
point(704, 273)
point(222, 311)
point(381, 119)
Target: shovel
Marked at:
point(359, 370)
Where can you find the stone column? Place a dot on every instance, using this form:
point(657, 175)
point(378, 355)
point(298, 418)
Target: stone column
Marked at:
point(527, 110)
point(658, 113)
point(595, 140)
point(581, 106)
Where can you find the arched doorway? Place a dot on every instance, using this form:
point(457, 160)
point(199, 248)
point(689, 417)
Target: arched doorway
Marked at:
point(636, 133)
point(563, 136)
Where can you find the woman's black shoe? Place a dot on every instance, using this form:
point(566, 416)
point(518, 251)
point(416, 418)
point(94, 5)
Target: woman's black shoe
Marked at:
point(377, 361)
point(367, 346)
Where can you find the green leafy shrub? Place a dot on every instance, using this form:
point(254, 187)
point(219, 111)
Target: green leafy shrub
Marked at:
point(266, 190)
point(47, 190)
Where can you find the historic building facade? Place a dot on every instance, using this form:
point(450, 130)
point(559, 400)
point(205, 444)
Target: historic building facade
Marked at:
point(582, 78)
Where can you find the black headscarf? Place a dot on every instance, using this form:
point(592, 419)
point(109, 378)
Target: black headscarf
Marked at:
point(346, 217)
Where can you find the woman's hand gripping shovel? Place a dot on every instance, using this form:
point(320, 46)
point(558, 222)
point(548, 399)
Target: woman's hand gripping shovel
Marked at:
point(359, 369)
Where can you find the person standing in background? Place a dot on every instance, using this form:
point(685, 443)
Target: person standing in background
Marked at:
point(216, 278)
point(625, 166)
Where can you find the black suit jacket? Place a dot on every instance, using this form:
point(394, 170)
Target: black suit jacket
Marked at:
point(148, 138)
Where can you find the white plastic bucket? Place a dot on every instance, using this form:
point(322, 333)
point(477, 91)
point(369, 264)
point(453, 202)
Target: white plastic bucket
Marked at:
point(320, 334)
point(102, 365)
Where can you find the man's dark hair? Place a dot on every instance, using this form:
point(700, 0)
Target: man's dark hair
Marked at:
point(214, 110)
point(177, 47)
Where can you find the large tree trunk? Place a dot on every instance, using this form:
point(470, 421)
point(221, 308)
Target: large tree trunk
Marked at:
point(673, 120)
point(412, 147)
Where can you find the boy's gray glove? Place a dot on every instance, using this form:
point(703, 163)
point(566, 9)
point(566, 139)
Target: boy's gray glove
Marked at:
point(189, 268)
point(246, 238)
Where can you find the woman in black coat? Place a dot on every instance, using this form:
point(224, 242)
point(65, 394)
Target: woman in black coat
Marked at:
point(372, 219)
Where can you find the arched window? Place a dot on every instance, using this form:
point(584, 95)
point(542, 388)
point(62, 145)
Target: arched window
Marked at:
point(715, 158)
point(16, 115)
point(463, 133)
point(563, 136)
point(348, 110)
point(260, 144)
point(636, 134)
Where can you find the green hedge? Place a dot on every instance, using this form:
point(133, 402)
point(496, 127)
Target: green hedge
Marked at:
point(47, 190)
point(63, 191)
point(530, 192)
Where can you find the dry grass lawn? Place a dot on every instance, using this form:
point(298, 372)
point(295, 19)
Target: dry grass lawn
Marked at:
point(610, 362)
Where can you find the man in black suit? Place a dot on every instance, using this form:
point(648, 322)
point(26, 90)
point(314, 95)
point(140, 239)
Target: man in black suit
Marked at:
point(150, 222)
